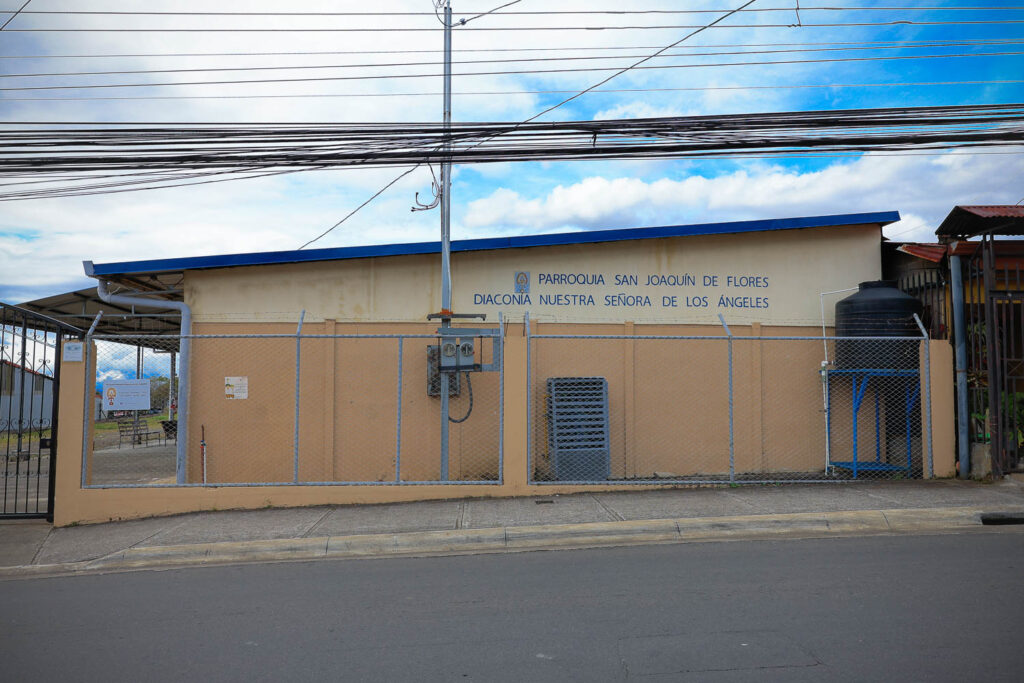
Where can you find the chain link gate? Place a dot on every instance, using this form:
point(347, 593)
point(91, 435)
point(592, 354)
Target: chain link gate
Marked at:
point(30, 358)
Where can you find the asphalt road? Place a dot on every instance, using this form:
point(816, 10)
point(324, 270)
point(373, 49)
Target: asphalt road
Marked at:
point(910, 608)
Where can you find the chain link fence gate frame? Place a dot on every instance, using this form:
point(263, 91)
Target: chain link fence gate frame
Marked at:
point(378, 431)
point(672, 417)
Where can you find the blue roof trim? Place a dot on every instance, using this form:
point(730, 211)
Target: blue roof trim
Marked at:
point(545, 240)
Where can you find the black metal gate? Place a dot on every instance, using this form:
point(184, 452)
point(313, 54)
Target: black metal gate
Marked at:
point(30, 356)
point(994, 318)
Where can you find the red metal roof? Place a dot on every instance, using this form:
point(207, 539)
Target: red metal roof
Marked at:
point(928, 252)
point(970, 221)
point(996, 211)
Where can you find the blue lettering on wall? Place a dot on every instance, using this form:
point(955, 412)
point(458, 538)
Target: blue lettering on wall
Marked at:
point(570, 279)
point(566, 300)
point(697, 302)
point(746, 281)
point(502, 299)
point(683, 280)
point(742, 301)
point(634, 300)
point(625, 280)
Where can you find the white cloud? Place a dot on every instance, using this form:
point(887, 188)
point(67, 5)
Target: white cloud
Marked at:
point(639, 110)
point(924, 188)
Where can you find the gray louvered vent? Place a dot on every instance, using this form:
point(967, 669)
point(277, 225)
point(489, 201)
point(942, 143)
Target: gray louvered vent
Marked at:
point(577, 412)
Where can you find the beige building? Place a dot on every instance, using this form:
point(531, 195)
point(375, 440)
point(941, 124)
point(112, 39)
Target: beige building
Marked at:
point(640, 309)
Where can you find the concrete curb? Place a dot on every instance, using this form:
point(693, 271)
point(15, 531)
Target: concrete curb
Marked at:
point(524, 538)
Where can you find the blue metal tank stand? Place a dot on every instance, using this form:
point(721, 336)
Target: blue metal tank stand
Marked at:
point(861, 378)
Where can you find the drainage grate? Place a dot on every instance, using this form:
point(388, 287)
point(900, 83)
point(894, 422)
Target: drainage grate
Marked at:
point(1002, 518)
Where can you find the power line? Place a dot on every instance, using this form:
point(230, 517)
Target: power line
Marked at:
point(796, 86)
point(355, 210)
point(637, 64)
point(464, 21)
point(895, 43)
point(491, 61)
point(244, 150)
point(16, 13)
point(851, 8)
point(898, 22)
point(92, 86)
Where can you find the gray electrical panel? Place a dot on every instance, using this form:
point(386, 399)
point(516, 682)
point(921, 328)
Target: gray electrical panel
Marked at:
point(434, 375)
point(578, 443)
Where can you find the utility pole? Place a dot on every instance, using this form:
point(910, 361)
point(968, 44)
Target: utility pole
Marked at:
point(446, 247)
point(446, 170)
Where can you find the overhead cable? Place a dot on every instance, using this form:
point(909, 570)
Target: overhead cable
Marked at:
point(404, 76)
point(176, 151)
point(411, 29)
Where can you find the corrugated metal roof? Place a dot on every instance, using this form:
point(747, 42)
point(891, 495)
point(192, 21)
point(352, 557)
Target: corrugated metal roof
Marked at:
point(970, 221)
point(588, 237)
point(928, 252)
point(995, 211)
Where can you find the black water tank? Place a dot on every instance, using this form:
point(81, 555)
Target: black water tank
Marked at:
point(878, 309)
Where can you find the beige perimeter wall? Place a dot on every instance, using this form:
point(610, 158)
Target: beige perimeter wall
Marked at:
point(668, 414)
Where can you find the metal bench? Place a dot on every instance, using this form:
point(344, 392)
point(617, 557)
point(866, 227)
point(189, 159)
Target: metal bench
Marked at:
point(135, 433)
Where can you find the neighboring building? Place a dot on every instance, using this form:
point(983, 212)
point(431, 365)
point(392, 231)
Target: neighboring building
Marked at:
point(974, 250)
point(26, 397)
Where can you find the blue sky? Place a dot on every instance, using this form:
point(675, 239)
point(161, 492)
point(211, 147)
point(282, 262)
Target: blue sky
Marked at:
point(42, 242)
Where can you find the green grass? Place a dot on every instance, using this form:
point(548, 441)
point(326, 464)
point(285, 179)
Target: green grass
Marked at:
point(152, 422)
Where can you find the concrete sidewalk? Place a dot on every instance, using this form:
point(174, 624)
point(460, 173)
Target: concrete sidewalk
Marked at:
point(32, 548)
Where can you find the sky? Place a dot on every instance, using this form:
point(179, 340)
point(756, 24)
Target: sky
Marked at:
point(44, 241)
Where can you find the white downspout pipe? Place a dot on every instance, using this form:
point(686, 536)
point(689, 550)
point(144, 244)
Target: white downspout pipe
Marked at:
point(181, 461)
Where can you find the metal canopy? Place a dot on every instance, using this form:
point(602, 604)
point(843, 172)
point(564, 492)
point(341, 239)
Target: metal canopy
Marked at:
point(80, 307)
point(964, 222)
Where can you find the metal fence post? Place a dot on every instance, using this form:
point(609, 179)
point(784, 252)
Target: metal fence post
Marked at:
point(398, 420)
point(732, 439)
point(298, 369)
point(927, 396)
point(90, 381)
point(529, 400)
point(501, 399)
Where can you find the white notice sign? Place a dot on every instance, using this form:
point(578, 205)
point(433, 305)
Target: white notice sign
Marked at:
point(73, 352)
point(236, 387)
point(126, 394)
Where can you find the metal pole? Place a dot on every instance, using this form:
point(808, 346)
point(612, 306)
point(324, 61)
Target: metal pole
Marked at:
point(927, 397)
point(732, 440)
point(446, 255)
point(298, 372)
point(501, 399)
point(90, 387)
point(398, 419)
point(445, 409)
point(960, 346)
point(446, 168)
point(54, 417)
point(170, 389)
point(529, 401)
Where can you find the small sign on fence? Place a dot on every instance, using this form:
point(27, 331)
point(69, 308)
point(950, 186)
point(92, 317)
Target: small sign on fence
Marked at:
point(126, 394)
point(236, 387)
point(73, 352)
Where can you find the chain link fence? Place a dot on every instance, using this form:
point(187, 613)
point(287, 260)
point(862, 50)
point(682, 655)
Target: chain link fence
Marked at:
point(365, 409)
point(726, 409)
point(288, 409)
